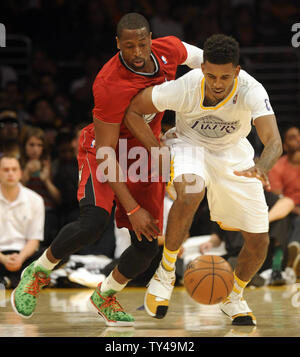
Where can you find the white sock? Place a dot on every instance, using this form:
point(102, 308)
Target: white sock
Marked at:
point(44, 262)
point(110, 283)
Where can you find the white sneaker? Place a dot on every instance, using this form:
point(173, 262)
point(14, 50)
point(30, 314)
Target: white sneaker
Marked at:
point(159, 292)
point(296, 266)
point(293, 252)
point(238, 311)
point(86, 278)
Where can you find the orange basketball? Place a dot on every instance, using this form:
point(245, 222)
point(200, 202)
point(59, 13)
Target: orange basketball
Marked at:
point(208, 279)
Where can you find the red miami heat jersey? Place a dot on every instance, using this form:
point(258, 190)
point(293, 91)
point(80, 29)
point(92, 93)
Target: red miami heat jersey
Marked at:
point(114, 87)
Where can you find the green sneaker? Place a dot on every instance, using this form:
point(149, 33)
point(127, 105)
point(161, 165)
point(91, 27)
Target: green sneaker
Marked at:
point(24, 297)
point(109, 308)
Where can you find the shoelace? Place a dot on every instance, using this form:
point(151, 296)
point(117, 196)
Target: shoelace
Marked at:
point(35, 286)
point(112, 302)
point(234, 300)
point(166, 279)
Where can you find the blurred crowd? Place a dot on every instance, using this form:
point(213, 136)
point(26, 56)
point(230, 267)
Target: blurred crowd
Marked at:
point(42, 113)
point(71, 40)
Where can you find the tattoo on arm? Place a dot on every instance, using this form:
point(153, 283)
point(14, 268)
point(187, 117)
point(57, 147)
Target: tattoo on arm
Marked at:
point(271, 153)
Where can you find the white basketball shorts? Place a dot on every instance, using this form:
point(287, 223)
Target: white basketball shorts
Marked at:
point(235, 202)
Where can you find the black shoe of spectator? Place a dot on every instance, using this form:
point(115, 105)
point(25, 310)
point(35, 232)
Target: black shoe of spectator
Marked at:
point(257, 281)
point(277, 278)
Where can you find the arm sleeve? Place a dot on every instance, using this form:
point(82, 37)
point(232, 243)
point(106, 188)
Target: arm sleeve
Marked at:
point(257, 100)
point(36, 226)
point(168, 96)
point(194, 56)
point(174, 95)
point(177, 48)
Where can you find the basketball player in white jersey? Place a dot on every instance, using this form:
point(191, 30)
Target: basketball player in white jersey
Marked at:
point(214, 107)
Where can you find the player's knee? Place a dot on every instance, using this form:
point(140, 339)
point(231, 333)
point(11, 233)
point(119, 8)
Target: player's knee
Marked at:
point(145, 249)
point(149, 253)
point(135, 260)
point(258, 242)
point(92, 223)
point(189, 191)
point(189, 200)
point(264, 241)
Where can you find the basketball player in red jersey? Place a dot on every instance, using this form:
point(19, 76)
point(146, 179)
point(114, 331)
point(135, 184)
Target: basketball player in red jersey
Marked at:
point(140, 63)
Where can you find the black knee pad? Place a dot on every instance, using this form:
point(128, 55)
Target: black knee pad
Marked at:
point(93, 221)
point(86, 230)
point(137, 257)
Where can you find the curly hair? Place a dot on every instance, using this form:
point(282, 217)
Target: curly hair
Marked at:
point(221, 49)
point(132, 21)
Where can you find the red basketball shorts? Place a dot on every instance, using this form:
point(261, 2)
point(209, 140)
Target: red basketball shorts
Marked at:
point(150, 195)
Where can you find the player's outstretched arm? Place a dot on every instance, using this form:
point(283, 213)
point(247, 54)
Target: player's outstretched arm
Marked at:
point(141, 104)
point(106, 138)
point(194, 56)
point(267, 130)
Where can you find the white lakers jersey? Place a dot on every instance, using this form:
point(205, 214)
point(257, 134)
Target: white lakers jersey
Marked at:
point(218, 127)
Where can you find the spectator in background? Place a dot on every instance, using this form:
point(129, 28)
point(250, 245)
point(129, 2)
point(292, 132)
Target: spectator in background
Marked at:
point(43, 115)
point(21, 223)
point(41, 63)
point(76, 135)
point(244, 26)
point(285, 176)
point(14, 99)
point(81, 87)
point(7, 74)
point(37, 176)
point(267, 23)
point(13, 96)
point(163, 24)
point(65, 173)
point(48, 86)
point(9, 133)
point(62, 105)
point(285, 180)
point(81, 90)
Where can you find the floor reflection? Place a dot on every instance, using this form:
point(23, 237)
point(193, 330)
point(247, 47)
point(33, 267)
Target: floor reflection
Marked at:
point(64, 313)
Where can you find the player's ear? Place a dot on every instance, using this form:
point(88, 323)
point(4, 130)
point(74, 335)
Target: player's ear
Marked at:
point(150, 38)
point(118, 42)
point(237, 70)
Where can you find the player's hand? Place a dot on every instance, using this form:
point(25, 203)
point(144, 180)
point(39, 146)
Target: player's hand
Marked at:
point(45, 173)
point(205, 247)
point(143, 223)
point(257, 172)
point(33, 165)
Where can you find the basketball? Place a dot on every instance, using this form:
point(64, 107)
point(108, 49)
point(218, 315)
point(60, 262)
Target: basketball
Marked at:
point(208, 279)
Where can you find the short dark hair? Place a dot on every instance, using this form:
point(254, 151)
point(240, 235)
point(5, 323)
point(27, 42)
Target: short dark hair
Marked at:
point(10, 156)
point(132, 21)
point(221, 49)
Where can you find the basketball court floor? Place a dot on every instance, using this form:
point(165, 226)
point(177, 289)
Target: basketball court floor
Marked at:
point(64, 313)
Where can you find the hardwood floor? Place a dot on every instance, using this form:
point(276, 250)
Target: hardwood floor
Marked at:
point(64, 313)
